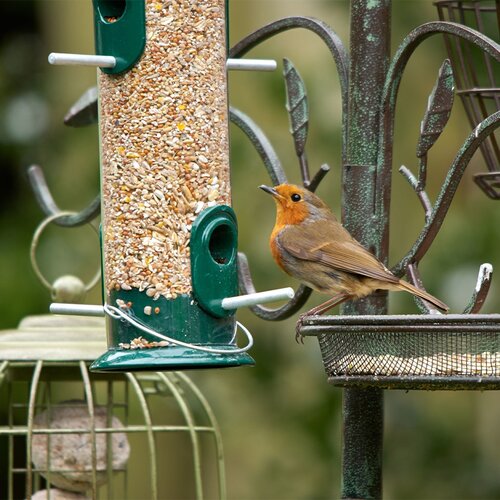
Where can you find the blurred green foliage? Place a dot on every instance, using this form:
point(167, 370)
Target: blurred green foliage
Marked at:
point(281, 421)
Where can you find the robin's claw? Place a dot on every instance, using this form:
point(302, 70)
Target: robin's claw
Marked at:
point(299, 338)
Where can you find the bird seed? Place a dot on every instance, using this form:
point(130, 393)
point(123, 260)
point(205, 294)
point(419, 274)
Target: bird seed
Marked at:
point(165, 147)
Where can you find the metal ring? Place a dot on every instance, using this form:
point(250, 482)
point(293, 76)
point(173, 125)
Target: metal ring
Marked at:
point(34, 245)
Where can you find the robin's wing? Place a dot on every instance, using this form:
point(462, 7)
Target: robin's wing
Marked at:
point(330, 244)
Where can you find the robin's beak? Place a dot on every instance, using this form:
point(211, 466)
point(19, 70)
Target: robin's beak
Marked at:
point(270, 190)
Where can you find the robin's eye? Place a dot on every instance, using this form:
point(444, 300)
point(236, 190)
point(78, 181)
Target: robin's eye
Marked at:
point(296, 197)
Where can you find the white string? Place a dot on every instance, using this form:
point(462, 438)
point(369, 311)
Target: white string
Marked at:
point(117, 313)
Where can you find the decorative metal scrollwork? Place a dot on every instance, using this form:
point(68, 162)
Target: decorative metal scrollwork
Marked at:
point(433, 123)
point(435, 119)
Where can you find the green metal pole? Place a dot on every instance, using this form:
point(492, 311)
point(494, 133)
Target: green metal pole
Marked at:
point(363, 408)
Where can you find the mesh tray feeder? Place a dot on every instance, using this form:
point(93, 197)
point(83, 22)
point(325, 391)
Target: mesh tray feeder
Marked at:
point(454, 351)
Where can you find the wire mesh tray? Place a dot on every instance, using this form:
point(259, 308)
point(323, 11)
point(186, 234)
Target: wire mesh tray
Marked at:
point(454, 351)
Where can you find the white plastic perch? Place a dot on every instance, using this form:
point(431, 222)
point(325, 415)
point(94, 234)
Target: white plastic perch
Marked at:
point(251, 64)
point(253, 299)
point(76, 309)
point(62, 59)
point(228, 303)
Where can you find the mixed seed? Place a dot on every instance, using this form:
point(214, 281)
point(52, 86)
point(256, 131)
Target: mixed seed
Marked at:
point(165, 152)
point(483, 364)
point(142, 343)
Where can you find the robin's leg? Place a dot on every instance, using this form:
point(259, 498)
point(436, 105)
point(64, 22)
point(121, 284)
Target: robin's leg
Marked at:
point(318, 310)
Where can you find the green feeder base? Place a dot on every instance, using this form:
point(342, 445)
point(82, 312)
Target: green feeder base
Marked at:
point(181, 319)
point(168, 358)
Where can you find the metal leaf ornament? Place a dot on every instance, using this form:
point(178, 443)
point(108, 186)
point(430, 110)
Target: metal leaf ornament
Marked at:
point(296, 105)
point(84, 111)
point(438, 109)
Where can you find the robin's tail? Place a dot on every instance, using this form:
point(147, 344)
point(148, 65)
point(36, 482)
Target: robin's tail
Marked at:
point(424, 295)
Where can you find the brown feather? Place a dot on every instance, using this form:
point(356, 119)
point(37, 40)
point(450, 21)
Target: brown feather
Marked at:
point(424, 295)
point(341, 251)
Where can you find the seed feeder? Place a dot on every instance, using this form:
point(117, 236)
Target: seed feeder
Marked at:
point(169, 234)
point(70, 433)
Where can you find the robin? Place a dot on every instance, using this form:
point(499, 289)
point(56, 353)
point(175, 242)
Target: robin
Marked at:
point(308, 243)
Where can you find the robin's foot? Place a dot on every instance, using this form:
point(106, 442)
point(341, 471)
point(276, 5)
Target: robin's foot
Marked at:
point(299, 338)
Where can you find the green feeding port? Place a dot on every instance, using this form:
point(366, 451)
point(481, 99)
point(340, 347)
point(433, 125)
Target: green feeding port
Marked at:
point(214, 273)
point(112, 10)
point(222, 244)
point(120, 31)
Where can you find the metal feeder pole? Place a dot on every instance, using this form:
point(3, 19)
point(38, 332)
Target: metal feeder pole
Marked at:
point(363, 408)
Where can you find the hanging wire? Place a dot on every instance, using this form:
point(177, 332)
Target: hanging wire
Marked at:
point(117, 313)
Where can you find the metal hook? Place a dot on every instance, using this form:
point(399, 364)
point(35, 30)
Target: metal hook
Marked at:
point(481, 291)
point(34, 245)
point(49, 207)
point(313, 184)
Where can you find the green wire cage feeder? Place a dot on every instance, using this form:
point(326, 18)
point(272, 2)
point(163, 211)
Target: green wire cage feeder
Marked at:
point(67, 433)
